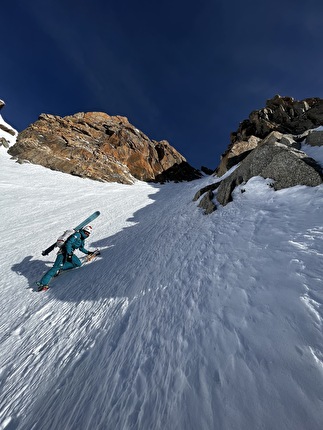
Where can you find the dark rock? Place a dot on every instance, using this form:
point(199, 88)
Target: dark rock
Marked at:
point(206, 189)
point(207, 171)
point(178, 173)
point(315, 138)
point(286, 166)
point(207, 204)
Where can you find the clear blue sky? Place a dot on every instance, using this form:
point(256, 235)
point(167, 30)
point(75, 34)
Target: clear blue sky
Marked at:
point(188, 72)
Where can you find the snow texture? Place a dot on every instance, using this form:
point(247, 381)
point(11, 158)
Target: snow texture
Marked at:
point(185, 322)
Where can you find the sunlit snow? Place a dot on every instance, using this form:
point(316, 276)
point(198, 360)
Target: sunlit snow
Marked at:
point(186, 322)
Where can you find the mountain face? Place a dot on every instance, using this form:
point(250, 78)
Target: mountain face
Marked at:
point(108, 148)
point(102, 147)
point(270, 144)
point(184, 323)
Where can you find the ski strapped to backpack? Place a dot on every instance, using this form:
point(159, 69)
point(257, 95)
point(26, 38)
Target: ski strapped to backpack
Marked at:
point(62, 239)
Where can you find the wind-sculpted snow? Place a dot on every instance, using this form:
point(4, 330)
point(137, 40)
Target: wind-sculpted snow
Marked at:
point(185, 322)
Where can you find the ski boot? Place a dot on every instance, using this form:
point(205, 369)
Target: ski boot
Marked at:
point(42, 287)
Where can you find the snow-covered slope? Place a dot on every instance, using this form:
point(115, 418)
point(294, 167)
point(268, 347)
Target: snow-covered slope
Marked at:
point(10, 138)
point(186, 322)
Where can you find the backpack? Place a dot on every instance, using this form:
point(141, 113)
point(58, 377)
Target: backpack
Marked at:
point(61, 240)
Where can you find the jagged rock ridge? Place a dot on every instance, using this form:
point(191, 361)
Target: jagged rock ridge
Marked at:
point(281, 114)
point(101, 147)
point(268, 144)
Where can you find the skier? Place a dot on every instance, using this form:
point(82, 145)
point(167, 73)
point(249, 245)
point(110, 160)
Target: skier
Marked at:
point(65, 258)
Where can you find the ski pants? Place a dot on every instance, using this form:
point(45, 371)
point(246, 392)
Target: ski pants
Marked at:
point(60, 265)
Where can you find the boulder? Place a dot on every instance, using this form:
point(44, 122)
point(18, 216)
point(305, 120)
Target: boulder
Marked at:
point(315, 138)
point(206, 202)
point(285, 165)
point(211, 187)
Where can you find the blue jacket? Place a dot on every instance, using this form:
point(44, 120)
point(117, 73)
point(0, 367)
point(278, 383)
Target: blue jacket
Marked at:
point(76, 241)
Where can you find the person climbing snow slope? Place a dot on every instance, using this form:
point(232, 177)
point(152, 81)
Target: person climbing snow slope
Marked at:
point(66, 259)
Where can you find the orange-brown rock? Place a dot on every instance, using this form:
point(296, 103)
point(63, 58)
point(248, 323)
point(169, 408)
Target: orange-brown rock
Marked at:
point(99, 146)
point(236, 152)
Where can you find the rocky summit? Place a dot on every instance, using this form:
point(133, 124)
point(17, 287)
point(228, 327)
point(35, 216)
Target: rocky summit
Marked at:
point(102, 147)
point(282, 114)
point(269, 144)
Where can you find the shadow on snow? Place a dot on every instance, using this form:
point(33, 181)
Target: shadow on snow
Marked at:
point(124, 258)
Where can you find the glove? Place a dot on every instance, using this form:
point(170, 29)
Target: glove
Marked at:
point(69, 258)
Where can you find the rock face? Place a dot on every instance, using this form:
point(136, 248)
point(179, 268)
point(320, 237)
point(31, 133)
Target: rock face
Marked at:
point(315, 138)
point(268, 144)
point(102, 147)
point(282, 114)
point(285, 165)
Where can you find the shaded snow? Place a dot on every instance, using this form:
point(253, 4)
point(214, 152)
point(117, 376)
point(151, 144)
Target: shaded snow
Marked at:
point(186, 322)
point(315, 152)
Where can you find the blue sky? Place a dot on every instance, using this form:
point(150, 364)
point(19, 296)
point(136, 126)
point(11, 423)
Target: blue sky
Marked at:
point(188, 72)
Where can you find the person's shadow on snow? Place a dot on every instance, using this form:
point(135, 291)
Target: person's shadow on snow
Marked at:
point(31, 269)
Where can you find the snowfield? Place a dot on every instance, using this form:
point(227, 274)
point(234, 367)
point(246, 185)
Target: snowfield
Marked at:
point(185, 322)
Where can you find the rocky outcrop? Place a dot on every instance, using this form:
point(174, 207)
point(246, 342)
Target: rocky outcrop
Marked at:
point(102, 147)
point(207, 203)
point(268, 145)
point(278, 158)
point(282, 114)
point(285, 165)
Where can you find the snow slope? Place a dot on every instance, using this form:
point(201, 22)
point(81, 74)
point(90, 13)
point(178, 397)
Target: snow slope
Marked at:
point(9, 138)
point(186, 322)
